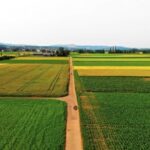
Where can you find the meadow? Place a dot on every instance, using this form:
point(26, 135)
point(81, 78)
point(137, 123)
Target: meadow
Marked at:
point(34, 79)
point(32, 124)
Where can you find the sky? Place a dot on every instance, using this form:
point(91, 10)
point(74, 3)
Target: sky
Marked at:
point(84, 22)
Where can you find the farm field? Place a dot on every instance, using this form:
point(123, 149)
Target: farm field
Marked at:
point(117, 84)
point(95, 55)
point(112, 92)
point(32, 124)
point(16, 53)
point(105, 115)
point(41, 58)
point(113, 95)
point(111, 60)
point(113, 71)
point(37, 60)
point(112, 63)
point(115, 121)
point(34, 79)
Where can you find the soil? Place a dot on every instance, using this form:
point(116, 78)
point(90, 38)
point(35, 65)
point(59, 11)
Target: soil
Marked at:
point(73, 131)
point(147, 78)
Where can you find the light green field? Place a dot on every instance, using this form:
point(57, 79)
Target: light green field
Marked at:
point(32, 124)
point(16, 53)
point(112, 60)
point(97, 59)
point(90, 55)
point(34, 80)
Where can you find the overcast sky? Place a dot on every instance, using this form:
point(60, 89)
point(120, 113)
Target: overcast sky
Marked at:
point(94, 22)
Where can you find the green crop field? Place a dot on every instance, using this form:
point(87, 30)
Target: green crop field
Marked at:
point(115, 121)
point(111, 60)
point(32, 124)
point(14, 61)
point(36, 60)
point(113, 93)
point(112, 63)
point(34, 79)
point(10, 53)
point(95, 55)
point(117, 84)
point(116, 117)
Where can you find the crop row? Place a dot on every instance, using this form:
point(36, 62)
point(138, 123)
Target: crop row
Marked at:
point(32, 124)
point(117, 84)
point(34, 80)
point(115, 121)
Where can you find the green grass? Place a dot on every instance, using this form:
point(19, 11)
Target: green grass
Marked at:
point(116, 84)
point(111, 63)
point(32, 124)
point(15, 61)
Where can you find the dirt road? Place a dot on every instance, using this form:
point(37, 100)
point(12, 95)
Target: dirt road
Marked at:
point(73, 131)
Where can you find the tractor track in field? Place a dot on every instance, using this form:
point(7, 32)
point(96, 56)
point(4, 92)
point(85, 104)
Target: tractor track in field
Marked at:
point(73, 130)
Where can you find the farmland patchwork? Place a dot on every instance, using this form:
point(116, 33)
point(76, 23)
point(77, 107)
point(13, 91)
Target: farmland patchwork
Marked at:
point(113, 96)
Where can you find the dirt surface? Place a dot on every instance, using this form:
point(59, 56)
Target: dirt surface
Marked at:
point(147, 79)
point(73, 131)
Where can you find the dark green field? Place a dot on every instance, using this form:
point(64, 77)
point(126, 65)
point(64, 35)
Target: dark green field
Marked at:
point(114, 120)
point(112, 63)
point(117, 84)
point(32, 124)
point(15, 61)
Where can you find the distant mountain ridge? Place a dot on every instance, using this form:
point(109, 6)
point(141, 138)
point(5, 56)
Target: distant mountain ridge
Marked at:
point(92, 47)
point(67, 46)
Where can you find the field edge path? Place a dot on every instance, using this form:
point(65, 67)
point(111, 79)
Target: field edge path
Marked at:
point(73, 129)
